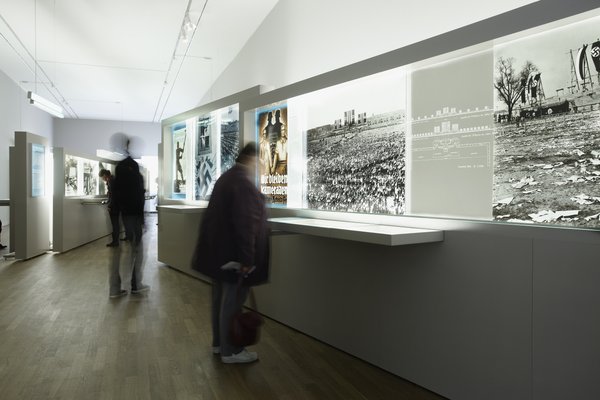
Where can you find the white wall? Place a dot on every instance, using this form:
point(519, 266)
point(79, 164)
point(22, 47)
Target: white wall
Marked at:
point(16, 115)
point(301, 39)
point(87, 135)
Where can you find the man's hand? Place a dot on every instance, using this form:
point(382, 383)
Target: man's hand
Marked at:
point(245, 269)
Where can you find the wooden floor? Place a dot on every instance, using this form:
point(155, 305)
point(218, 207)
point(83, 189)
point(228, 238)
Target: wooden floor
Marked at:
point(61, 337)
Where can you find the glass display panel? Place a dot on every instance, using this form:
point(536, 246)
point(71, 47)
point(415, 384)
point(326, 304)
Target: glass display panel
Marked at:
point(38, 160)
point(452, 138)
point(547, 130)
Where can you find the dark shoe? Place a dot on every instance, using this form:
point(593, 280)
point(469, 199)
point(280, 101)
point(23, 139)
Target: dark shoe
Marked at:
point(112, 244)
point(2, 246)
point(120, 294)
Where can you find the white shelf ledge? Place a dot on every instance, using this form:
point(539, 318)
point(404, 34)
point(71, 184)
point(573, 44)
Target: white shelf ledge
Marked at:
point(183, 208)
point(356, 231)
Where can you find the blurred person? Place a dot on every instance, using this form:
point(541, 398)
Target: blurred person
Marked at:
point(130, 196)
point(1, 245)
point(234, 231)
point(112, 206)
point(131, 199)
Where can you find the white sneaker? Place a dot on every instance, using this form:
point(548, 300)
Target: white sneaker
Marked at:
point(243, 356)
point(141, 289)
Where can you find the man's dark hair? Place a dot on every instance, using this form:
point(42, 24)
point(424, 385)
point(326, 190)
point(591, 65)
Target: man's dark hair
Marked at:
point(249, 150)
point(103, 172)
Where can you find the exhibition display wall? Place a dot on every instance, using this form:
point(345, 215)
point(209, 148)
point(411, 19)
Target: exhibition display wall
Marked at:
point(29, 197)
point(504, 131)
point(495, 310)
point(197, 147)
point(214, 138)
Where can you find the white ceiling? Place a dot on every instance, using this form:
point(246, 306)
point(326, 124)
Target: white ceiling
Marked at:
point(123, 59)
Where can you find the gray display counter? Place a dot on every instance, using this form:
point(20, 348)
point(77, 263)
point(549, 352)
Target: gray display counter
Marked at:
point(178, 227)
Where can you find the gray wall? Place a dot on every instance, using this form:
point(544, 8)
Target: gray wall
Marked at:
point(492, 312)
point(301, 39)
point(87, 136)
point(16, 115)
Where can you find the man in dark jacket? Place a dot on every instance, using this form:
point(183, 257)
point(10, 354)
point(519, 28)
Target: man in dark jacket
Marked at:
point(233, 241)
point(129, 194)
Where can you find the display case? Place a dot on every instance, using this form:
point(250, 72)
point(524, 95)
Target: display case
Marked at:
point(79, 197)
point(197, 147)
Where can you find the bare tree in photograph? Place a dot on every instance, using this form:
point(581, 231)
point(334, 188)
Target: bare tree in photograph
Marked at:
point(508, 84)
point(512, 86)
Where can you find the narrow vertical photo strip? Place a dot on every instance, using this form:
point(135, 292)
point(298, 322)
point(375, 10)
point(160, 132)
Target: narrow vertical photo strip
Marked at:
point(71, 165)
point(230, 136)
point(205, 157)
point(179, 165)
point(90, 177)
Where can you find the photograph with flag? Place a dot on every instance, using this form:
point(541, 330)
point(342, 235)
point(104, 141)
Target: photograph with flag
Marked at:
point(547, 147)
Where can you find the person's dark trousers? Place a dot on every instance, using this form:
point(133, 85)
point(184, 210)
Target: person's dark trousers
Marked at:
point(227, 300)
point(133, 231)
point(116, 228)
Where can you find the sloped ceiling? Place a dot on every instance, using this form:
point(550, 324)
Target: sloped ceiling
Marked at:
point(123, 59)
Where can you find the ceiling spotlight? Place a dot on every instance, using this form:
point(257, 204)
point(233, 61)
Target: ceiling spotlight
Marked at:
point(187, 23)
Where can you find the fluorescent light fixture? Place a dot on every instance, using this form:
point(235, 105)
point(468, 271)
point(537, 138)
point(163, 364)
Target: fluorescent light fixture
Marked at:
point(110, 155)
point(45, 105)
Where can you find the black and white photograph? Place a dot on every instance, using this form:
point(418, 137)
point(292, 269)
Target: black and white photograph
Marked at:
point(355, 145)
point(452, 138)
point(547, 129)
point(179, 160)
point(230, 136)
point(90, 177)
point(102, 189)
point(205, 161)
point(70, 175)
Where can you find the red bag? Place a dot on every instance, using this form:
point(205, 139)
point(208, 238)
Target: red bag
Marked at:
point(245, 328)
point(245, 325)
